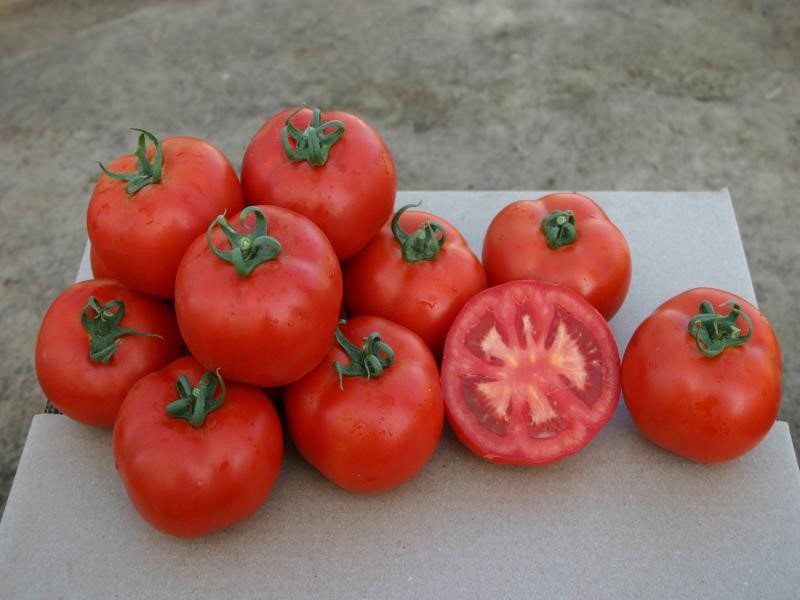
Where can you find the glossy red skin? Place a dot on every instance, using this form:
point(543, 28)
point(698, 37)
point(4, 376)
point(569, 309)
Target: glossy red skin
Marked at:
point(597, 265)
point(582, 422)
point(141, 238)
point(99, 270)
point(375, 434)
point(273, 326)
point(708, 410)
point(189, 481)
point(424, 296)
point(92, 392)
point(349, 197)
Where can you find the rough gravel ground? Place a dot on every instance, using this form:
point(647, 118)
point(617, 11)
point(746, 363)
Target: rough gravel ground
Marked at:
point(616, 94)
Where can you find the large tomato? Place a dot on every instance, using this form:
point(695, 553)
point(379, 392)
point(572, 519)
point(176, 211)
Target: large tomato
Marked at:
point(369, 417)
point(701, 376)
point(149, 206)
point(96, 340)
point(418, 271)
point(261, 306)
point(530, 373)
point(563, 238)
point(197, 458)
point(336, 171)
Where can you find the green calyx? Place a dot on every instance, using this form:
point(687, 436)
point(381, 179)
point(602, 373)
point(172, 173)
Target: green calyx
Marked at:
point(102, 323)
point(248, 250)
point(368, 361)
point(424, 243)
point(714, 332)
point(559, 228)
point(146, 172)
point(314, 143)
point(196, 403)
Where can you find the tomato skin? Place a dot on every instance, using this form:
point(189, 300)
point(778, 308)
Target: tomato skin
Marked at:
point(374, 434)
point(141, 238)
point(424, 296)
point(530, 373)
point(349, 197)
point(708, 410)
point(92, 392)
point(99, 270)
point(597, 265)
point(273, 326)
point(189, 481)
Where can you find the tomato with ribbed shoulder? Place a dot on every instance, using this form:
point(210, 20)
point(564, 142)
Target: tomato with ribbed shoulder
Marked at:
point(418, 272)
point(147, 207)
point(331, 167)
point(194, 452)
point(369, 416)
point(96, 340)
point(564, 238)
point(701, 376)
point(530, 373)
point(259, 297)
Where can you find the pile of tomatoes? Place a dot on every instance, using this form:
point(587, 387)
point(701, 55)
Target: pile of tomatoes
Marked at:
point(216, 300)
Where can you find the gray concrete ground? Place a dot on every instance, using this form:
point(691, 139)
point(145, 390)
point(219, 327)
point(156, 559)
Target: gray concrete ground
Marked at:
point(554, 94)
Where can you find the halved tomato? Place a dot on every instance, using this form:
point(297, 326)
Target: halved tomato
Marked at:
point(530, 373)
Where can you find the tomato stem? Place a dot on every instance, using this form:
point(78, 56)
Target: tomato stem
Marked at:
point(559, 228)
point(146, 172)
point(424, 243)
point(365, 361)
point(248, 250)
point(313, 144)
point(195, 404)
point(714, 332)
point(102, 325)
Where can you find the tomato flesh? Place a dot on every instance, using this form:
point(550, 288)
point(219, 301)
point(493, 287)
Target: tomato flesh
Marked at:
point(530, 373)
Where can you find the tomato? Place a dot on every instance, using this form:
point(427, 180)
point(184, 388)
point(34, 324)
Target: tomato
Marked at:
point(369, 418)
point(96, 340)
point(199, 458)
point(140, 228)
point(706, 408)
point(562, 238)
point(269, 316)
point(418, 271)
point(99, 270)
point(530, 373)
point(347, 187)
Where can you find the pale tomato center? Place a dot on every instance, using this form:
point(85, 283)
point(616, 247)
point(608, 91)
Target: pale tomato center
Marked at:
point(532, 381)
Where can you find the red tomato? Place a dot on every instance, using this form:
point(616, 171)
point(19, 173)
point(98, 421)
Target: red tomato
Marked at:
point(189, 479)
point(347, 188)
point(530, 373)
point(99, 270)
point(273, 325)
point(141, 235)
point(86, 388)
point(707, 408)
point(596, 264)
point(375, 431)
point(422, 286)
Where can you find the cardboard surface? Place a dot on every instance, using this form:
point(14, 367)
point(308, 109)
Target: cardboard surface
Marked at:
point(621, 519)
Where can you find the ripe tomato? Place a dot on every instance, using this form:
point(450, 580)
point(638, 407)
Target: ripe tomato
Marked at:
point(563, 238)
point(209, 466)
point(373, 422)
point(706, 408)
point(418, 271)
point(338, 173)
point(271, 319)
point(141, 227)
point(91, 350)
point(99, 270)
point(530, 373)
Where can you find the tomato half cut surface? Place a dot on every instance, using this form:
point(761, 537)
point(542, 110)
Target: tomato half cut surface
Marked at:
point(530, 373)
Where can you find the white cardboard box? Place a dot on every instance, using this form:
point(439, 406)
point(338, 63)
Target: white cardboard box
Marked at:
point(620, 519)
